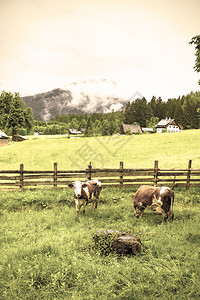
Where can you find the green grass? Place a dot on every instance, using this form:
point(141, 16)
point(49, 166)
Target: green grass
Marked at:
point(137, 151)
point(47, 253)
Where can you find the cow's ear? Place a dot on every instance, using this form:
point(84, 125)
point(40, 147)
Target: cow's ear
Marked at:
point(84, 185)
point(94, 183)
point(70, 186)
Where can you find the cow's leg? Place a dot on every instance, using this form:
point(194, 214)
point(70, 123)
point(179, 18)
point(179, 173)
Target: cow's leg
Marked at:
point(77, 207)
point(141, 212)
point(95, 203)
point(84, 206)
point(135, 211)
point(171, 215)
point(171, 212)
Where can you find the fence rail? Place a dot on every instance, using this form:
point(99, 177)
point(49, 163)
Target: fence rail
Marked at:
point(121, 177)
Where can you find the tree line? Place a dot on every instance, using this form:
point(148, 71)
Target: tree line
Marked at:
point(15, 117)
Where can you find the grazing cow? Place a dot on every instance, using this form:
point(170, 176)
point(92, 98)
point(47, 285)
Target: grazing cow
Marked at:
point(86, 192)
point(98, 186)
point(159, 199)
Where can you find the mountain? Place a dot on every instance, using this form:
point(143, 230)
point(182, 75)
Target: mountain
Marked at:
point(79, 97)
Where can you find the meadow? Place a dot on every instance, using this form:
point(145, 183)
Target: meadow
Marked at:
point(48, 253)
point(136, 151)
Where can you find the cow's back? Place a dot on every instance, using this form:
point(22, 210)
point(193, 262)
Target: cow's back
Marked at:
point(145, 194)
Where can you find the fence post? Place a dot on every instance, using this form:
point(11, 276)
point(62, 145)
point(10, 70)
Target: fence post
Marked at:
point(55, 176)
point(90, 171)
point(155, 172)
point(188, 174)
point(121, 167)
point(21, 177)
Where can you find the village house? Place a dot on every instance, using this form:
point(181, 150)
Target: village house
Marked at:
point(3, 139)
point(169, 125)
point(133, 128)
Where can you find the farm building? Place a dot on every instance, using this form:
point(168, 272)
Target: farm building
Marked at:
point(147, 130)
point(3, 139)
point(18, 138)
point(133, 128)
point(36, 132)
point(169, 125)
point(74, 131)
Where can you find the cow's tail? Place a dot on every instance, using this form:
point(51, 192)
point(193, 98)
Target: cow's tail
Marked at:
point(171, 207)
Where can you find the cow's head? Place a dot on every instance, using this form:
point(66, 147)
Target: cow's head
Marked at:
point(77, 185)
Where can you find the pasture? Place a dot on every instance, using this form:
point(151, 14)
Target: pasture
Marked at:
point(47, 252)
point(137, 151)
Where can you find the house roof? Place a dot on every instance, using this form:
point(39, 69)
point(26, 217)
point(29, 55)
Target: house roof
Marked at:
point(147, 129)
point(74, 131)
point(166, 122)
point(19, 137)
point(133, 128)
point(3, 135)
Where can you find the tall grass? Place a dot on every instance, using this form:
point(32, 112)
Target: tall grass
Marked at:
point(47, 253)
point(172, 150)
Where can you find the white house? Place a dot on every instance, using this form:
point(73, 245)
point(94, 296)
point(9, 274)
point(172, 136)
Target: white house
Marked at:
point(169, 125)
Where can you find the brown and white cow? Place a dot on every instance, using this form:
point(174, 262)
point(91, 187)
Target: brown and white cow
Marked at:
point(86, 192)
point(159, 199)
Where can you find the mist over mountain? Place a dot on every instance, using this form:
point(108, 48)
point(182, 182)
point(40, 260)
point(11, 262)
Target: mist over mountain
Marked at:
point(79, 97)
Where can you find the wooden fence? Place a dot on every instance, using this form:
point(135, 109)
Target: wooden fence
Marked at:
point(121, 177)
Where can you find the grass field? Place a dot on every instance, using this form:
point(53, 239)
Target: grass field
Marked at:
point(48, 253)
point(137, 151)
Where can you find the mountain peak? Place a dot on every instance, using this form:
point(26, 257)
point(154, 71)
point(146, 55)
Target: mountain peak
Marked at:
point(88, 96)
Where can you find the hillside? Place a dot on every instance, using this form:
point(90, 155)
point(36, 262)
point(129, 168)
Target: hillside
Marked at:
point(83, 97)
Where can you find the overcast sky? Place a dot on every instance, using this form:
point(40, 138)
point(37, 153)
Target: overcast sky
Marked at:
point(143, 45)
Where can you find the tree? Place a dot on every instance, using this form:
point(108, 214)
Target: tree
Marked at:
point(198, 115)
point(128, 131)
point(158, 107)
point(152, 122)
point(14, 115)
point(29, 121)
point(128, 114)
point(89, 129)
point(190, 118)
point(106, 128)
point(5, 106)
point(178, 113)
point(196, 40)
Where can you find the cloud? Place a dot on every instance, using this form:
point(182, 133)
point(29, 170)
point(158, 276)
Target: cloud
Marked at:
point(94, 95)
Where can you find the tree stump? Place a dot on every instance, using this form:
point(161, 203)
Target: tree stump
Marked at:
point(107, 241)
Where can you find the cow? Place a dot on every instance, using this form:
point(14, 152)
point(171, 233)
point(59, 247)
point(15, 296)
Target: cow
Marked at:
point(158, 199)
point(86, 192)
